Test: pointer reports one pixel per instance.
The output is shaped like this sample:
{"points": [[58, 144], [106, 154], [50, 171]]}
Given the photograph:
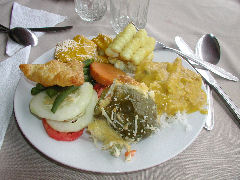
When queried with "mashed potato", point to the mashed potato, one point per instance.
{"points": [[176, 88]]}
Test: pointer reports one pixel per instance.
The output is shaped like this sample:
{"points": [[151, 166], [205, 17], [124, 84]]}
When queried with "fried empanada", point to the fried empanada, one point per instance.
{"points": [[55, 73]]}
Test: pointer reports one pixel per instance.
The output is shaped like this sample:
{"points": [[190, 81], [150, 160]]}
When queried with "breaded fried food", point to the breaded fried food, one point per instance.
{"points": [[80, 48], [55, 73]]}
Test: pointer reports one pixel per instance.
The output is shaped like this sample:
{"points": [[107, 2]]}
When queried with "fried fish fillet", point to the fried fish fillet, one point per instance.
{"points": [[55, 73]]}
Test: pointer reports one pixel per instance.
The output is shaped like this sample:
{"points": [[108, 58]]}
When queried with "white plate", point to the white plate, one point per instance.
{"points": [[83, 154]]}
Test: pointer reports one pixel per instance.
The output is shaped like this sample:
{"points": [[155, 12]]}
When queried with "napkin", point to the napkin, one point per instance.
{"points": [[9, 68], [23, 16], [11, 73]]}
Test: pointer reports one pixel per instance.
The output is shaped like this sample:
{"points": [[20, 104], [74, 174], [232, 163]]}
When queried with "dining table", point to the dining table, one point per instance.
{"points": [[213, 154]]}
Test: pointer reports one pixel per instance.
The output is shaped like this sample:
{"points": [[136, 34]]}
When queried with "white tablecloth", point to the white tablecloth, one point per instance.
{"points": [[213, 155]]}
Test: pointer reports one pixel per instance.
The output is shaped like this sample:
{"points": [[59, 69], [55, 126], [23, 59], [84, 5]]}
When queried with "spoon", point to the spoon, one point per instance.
{"points": [[25, 37], [21, 35], [208, 49]]}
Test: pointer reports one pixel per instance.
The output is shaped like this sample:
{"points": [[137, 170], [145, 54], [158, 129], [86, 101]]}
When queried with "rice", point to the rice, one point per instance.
{"points": [[181, 117]]}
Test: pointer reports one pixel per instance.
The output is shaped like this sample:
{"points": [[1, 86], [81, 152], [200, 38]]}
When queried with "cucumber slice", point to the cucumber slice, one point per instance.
{"points": [[71, 108], [80, 123]]}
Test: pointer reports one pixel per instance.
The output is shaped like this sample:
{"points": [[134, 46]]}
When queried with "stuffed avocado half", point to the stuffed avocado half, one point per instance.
{"points": [[129, 108]]}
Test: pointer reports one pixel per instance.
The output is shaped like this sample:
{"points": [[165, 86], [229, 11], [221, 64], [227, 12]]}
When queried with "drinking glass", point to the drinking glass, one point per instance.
{"points": [[90, 10], [125, 11]]}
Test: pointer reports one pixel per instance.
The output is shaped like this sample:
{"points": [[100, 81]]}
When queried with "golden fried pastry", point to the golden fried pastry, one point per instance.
{"points": [[80, 48], [55, 73]]}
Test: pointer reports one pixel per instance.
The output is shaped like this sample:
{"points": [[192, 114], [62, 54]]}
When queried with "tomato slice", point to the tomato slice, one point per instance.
{"points": [[99, 89], [61, 136]]}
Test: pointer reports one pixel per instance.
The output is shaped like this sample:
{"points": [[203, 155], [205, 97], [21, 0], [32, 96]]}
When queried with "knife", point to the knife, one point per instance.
{"points": [[209, 79], [48, 29], [44, 29]]}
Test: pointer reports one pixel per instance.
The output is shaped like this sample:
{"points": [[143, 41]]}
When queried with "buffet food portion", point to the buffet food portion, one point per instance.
{"points": [[112, 88]]}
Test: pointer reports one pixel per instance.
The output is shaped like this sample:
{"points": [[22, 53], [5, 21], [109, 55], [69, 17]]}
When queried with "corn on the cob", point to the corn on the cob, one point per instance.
{"points": [[120, 41], [137, 41], [144, 51]]}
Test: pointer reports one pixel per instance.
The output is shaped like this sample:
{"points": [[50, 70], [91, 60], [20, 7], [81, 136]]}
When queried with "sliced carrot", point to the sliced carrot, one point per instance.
{"points": [[104, 73]]}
